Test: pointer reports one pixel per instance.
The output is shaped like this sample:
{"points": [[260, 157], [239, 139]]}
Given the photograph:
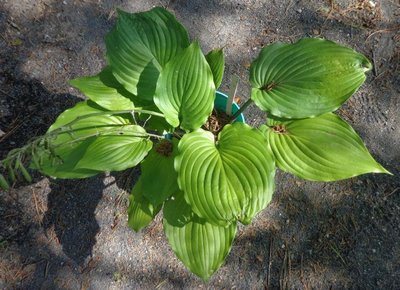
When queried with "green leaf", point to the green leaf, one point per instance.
{"points": [[215, 59], [185, 90], [226, 181], [324, 148], [11, 172], [80, 109], [19, 166], [116, 151], [159, 164], [87, 139], [307, 78], [3, 183], [106, 91], [140, 45], [62, 164], [140, 211], [200, 245]]}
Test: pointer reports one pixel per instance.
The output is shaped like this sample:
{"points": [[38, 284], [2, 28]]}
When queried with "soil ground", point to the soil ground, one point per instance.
{"points": [[73, 234]]}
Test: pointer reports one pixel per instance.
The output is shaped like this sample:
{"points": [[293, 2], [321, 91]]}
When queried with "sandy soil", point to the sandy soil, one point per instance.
{"points": [[57, 234]]}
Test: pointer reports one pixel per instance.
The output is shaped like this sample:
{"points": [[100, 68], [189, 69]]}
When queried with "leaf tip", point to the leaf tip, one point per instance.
{"points": [[381, 169], [365, 64]]}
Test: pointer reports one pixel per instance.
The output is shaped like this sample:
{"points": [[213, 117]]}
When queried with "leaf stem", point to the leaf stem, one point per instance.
{"points": [[242, 108], [108, 113], [66, 129], [178, 134], [109, 133]]}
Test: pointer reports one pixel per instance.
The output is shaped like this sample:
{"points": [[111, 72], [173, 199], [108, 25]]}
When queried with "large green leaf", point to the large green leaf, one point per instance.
{"points": [[140, 211], [228, 180], [215, 59], [80, 109], [307, 78], [159, 177], [61, 161], [106, 91], [140, 45], [116, 151], [87, 139], [200, 245], [324, 148], [185, 90]]}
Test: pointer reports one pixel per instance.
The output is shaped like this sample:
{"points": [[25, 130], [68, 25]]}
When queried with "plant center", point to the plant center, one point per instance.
{"points": [[216, 122], [280, 129], [165, 148], [268, 87]]}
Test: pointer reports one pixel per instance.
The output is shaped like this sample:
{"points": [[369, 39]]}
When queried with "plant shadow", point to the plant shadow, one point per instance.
{"points": [[305, 241], [71, 215]]}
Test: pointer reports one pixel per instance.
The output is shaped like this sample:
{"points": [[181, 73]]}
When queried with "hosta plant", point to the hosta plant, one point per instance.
{"points": [[152, 106]]}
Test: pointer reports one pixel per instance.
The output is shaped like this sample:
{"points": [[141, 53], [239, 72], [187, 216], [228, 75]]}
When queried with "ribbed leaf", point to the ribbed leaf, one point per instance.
{"points": [[324, 148], [94, 141], [140, 45], [159, 164], [215, 59], [106, 91], [80, 109], [226, 181], [116, 151], [185, 90], [307, 78], [140, 211], [201, 246]]}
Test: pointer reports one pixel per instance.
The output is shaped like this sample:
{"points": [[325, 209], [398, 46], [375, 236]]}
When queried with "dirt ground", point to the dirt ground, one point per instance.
{"points": [[70, 234]]}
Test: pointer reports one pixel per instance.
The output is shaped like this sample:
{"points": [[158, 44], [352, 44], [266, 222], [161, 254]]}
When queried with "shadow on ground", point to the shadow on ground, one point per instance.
{"points": [[309, 242], [70, 214], [63, 212]]}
